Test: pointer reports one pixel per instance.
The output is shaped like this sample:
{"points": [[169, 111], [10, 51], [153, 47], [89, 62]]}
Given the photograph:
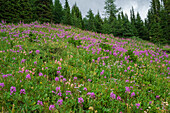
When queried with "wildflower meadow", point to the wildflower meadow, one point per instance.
{"points": [[62, 69]]}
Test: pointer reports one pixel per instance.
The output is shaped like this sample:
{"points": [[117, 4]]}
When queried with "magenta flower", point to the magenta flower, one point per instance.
{"points": [[60, 102], [80, 100], [59, 68], [125, 70], [92, 95], [60, 94], [127, 89], [157, 96], [85, 88], [150, 102], [118, 97], [51, 107], [40, 74], [35, 62], [137, 105], [89, 80], [132, 94], [102, 72], [22, 91], [28, 76], [2, 85], [12, 90], [112, 95], [39, 102], [61, 76], [68, 92], [4, 76], [58, 72], [75, 78], [37, 51], [56, 79], [64, 79], [23, 60]]}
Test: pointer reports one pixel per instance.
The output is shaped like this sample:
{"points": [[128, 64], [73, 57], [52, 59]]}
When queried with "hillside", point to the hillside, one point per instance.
{"points": [[58, 68]]}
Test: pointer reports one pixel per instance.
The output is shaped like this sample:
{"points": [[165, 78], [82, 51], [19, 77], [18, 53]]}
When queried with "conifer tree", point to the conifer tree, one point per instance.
{"points": [[91, 21], [67, 16], [76, 17], [57, 12], [44, 10], [98, 23]]}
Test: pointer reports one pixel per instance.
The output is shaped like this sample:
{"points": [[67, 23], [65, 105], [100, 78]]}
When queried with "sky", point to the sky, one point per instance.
{"points": [[140, 6]]}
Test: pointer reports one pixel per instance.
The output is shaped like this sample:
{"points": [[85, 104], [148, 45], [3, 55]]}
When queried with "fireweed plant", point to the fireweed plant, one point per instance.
{"points": [[56, 68]]}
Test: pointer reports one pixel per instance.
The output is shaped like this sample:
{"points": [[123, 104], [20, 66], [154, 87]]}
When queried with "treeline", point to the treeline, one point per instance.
{"points": [[154, 28]]}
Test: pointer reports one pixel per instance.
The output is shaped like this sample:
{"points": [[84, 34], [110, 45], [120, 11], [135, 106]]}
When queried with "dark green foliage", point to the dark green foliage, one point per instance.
{"points": [[44, 10], [98, 23], [57, 12], [75, 42], [67, 16], [132, 56], [76, 17], [91, 21], [105, 46]]}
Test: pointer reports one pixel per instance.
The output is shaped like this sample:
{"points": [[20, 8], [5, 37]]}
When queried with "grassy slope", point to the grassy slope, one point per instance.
{"points": [[144, 70]]}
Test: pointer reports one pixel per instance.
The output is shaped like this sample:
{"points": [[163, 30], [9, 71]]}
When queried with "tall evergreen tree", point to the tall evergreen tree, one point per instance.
{"points": [[44, 10], [91, 21], [67, 16], [132, 19], [98, 23], [25, 13], [110, 8], [76, 16], [141, 31], [57, 12]]}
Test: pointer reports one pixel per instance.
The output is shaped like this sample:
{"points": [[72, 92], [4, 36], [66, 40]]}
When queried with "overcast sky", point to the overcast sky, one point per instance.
{"points": [[141, 6]]}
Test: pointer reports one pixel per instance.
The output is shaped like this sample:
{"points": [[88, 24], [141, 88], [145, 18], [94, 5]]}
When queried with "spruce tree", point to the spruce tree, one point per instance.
{"points": [[98, 23], [44, 10], [76, 17], [91, 21], [57, 12], [25, 13], [67, 16]]}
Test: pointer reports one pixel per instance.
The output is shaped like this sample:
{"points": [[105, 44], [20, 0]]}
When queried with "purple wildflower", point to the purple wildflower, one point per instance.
{"points": [[75, 78], [37, 51], [157, 96], [64, 79], [89, 80], [51, 107], [22, 91], [39, 102], [67, 92], [60, 102], [137, 105], [112, 95], [4, 76], [59, 68], [23, 60], [132, 94], [118, 97], [56, 79], [150, 102], [58, 72], [127, 89], [28, 76], [12, 90], [60, 94], [92, 95], [80, 100], [85, 88], [2, 85], [102, 72], [40, 74]]}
